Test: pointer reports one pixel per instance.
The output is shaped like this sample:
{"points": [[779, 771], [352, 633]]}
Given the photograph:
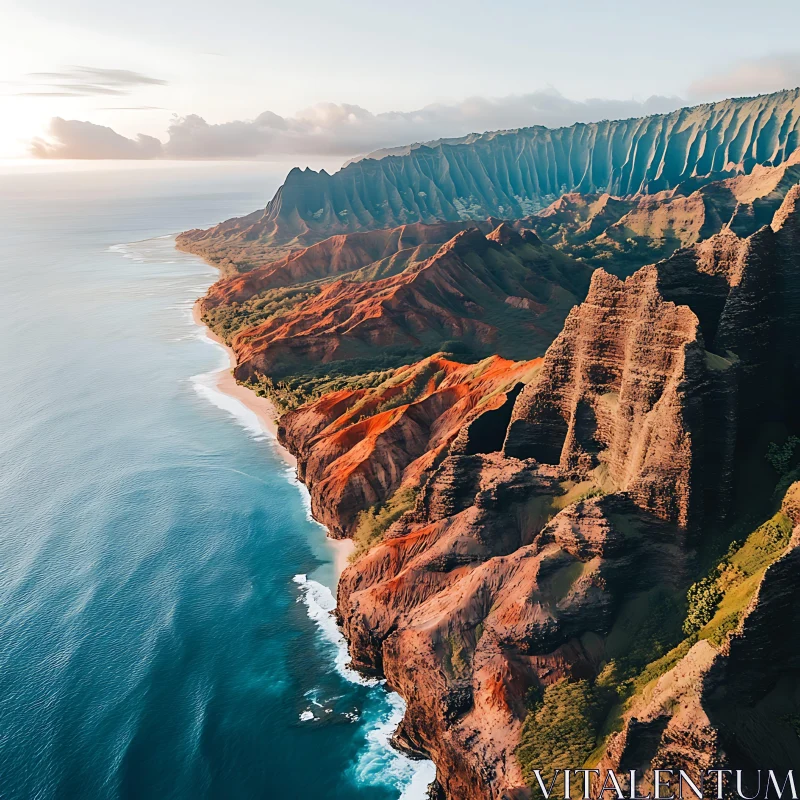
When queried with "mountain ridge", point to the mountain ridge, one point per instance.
{"points": [[514, 174]]}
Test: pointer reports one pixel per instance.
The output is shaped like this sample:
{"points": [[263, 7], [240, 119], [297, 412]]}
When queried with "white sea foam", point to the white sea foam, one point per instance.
{"points": [[205, 386], [379, 763]]}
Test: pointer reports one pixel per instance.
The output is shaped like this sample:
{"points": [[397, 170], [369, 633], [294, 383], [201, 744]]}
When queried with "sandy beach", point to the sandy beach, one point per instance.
{"points": [[267, 416]]}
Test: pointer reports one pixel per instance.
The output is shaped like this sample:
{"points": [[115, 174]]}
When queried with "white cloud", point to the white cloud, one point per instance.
{"points": [[71, 138], [750, 76], [341, 129], [86, 81]]}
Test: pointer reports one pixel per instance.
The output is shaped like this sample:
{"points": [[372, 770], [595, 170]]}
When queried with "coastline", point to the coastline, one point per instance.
{"points": [[262, 407], [267, 416]]}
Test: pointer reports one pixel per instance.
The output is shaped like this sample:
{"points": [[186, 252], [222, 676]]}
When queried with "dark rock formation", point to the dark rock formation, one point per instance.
{"points": [[627, 392]]}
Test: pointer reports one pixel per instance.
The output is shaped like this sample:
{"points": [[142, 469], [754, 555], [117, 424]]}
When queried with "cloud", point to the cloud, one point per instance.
{"points": [[86, 81], [750, 76], [347, 130], [75, 139]]}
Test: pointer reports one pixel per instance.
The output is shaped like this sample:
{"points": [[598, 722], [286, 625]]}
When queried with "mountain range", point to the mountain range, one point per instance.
{"points": [[547, 380], [511, 174]]}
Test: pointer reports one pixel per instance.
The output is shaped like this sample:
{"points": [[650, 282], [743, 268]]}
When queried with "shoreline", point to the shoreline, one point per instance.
{"points": [[267, 416], [262, 407]]}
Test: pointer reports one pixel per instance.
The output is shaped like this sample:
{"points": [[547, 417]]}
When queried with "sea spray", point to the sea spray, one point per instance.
{"points": [[379, 763]]}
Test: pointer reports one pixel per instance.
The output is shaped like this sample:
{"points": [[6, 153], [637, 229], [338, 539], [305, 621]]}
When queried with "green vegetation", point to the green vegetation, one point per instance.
{"points": [[589, 494], [561, 728], [715, 604], [793, 721], [716, 601], [456, 657], [373, 523], [415, 388], [738, 574], [294, 392], [703, 598], [227, 320], [568, 723], [647, 627], [294, 383], [661, 666]]}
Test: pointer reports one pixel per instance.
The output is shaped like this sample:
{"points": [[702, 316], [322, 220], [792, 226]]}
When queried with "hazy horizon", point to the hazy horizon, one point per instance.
{"points": [[84, 79]]}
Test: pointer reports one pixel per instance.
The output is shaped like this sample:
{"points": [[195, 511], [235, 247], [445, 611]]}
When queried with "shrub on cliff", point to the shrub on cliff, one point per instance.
{"points": [[782, 456], [703, 598], [561, 731], [373, 523]]}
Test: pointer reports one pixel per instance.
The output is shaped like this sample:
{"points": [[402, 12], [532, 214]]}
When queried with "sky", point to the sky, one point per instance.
{"points": [[258, 79]]}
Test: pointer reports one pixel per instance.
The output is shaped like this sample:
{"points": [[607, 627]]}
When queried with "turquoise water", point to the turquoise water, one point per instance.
{"points": [[163, 631]]}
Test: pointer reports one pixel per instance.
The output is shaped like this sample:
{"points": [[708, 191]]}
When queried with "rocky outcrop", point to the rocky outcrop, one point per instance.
{"points": [[558, 500], [506, 576], [389, 250], [735, 706], [627, 393], [474, 596], [464, 613], [510, 174], [623, 234], [356, 448], [746, 294]]}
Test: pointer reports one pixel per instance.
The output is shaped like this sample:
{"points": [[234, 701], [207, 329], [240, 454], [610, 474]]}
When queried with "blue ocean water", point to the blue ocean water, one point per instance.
{"points": [[164, 595]]}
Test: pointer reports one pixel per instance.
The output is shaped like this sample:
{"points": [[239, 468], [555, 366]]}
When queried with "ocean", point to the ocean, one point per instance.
{"points": [[165, 628]]}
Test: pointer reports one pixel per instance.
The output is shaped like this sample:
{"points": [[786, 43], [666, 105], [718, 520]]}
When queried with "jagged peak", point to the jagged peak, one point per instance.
{"points": [[530, 237], [504, 235], [470, 239], [789, 209]]}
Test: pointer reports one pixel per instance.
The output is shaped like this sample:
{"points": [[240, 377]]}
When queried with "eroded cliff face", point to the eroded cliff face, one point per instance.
{"points": [[355, 449], [629, 397], [507, 575], [560, 502], [503, 293], [623, 234], [510, 174], [475, 597], [386, 249], [731, 706]]}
